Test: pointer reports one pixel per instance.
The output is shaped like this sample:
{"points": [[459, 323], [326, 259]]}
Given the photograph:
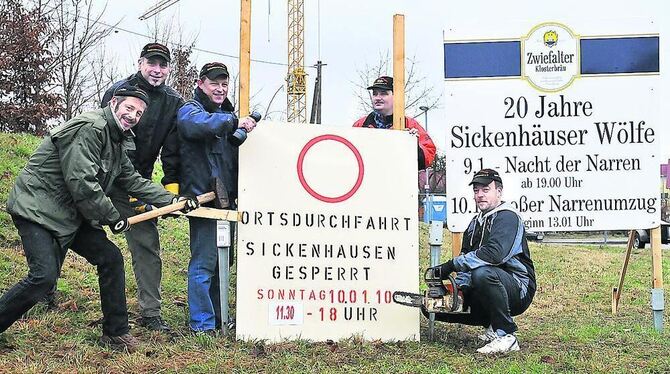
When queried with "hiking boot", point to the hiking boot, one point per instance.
{"points": [[501, 345], [154, 324], [125, 342], [488, 336]]}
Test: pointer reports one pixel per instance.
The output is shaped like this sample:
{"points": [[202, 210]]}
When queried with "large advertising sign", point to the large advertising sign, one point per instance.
{"points": [[329, 230], [566, 112]]}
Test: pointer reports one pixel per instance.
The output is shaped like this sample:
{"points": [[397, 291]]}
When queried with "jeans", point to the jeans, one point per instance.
{"points": [[45, 258], [144, 246], [204, 300], [494, 297]]}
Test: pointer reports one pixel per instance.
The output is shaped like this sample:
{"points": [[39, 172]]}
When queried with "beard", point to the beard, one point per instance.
{"points": [[130, 122]]}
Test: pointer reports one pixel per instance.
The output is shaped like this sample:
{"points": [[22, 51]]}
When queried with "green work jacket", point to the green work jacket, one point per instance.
{"points": [[68, 177]]}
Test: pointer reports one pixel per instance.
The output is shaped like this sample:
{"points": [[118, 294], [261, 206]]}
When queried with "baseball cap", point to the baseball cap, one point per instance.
{"points": [[132, 91], [156, 49], [486, 176], [213, 70], [382, 83]]}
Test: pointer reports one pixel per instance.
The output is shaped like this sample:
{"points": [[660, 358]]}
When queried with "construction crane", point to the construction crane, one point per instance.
{"points": [[296, 79]]}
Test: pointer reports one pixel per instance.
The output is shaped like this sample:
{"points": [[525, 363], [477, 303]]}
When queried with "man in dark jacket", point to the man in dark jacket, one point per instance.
{"points": [[494, 271], [382, 118], [206, 125], [59, 201], [156, 133]]}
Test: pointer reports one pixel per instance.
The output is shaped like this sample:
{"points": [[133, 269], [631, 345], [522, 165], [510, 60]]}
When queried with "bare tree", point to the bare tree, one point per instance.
{"points": [[418, 92], [269, 114], [77, 38], [104, 78], [184, 72]]}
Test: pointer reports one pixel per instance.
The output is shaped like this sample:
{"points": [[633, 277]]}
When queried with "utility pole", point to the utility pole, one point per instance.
{"points": [[315, 117]]}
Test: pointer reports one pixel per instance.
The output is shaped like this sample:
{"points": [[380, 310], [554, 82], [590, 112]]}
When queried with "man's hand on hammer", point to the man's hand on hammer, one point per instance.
{"points": [[191, 203]]}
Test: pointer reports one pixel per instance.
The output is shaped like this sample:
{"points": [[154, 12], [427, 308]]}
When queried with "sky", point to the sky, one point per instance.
{"points": [[346, 35]]}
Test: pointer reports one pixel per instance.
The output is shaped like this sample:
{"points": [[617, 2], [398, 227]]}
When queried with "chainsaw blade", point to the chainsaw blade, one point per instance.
{"points": [[408, 299]]}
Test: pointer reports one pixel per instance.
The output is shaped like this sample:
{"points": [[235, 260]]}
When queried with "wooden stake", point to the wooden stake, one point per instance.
{"points": [[245, 55], [456, 239], [616, 291], [398, 72]]}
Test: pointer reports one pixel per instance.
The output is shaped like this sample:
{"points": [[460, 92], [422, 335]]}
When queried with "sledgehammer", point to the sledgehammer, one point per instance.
{"points": [[219, 196]]}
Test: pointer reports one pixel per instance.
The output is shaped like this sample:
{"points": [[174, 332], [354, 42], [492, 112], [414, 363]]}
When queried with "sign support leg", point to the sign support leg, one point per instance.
{"points": [[616, 291], [223, 248], [435, 241], [657, 299]]}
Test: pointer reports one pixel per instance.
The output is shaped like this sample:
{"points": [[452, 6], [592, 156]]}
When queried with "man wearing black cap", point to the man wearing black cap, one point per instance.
{"points": [[156, 134], [494, 271], [60, 200], [382, 118], [208, 150]]}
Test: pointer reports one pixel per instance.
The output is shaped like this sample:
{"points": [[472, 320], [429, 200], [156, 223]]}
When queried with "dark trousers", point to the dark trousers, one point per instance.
{"points": [[45, 258], [494, 298]]}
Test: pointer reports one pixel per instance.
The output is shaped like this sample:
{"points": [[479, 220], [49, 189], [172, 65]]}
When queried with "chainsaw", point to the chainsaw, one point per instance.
{"points": [[438, 298]]}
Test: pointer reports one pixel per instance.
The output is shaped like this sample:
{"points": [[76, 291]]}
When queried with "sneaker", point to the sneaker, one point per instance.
{"points": [[501, 344], [125, 342], [154, 324], [488, 336]]}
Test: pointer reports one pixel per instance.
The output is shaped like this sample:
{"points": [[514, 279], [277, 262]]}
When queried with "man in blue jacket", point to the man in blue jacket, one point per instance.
{"points": [[494, 271], [206, 125]]}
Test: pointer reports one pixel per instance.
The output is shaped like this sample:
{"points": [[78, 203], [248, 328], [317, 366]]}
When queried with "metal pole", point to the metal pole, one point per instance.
{"points": [[657, 299], [223, 247], [435, 240], [435, 234]]}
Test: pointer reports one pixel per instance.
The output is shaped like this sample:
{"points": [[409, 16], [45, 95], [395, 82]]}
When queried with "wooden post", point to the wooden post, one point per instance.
{"points": [[456, 239], [656, 258], [616, 291], [398, 72], [245, 55], [657, 302]]}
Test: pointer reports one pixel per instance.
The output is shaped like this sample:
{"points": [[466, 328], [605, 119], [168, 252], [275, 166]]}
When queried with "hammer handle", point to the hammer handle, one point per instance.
{"points": [[204, 198]]}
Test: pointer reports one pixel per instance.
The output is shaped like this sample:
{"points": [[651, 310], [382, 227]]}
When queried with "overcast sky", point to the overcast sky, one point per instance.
{"points": [[353, 34], [345, 34]]}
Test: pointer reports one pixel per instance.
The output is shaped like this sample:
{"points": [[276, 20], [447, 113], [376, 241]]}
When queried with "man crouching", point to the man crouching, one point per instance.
{"points": [[494, 271]]}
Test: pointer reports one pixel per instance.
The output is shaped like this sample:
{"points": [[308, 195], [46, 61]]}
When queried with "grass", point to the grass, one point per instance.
{"points": [[569, 327]]}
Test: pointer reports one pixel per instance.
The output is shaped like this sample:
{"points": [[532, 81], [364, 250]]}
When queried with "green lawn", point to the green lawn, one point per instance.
{"points": [[569, 327]]}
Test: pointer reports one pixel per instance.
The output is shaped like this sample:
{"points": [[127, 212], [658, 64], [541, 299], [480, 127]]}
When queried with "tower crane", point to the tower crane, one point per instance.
{"points": [[296, 79]]}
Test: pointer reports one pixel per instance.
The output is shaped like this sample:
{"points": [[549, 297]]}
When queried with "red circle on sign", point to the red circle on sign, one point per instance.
{"points": [[310, 190]]}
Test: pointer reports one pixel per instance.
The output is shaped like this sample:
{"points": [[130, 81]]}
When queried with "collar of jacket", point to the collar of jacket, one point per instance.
{"points": [[139, 80], [370, 120], [114, 130], [201, 97]]}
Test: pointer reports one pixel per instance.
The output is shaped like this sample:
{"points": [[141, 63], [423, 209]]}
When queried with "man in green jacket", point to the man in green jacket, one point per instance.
{"points": [[59, 202]]}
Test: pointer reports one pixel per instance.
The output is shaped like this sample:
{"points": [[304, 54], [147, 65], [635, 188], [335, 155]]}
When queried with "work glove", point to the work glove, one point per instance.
{"points": [[447, 268], [440, 272], [139, 206], [172, 187], [120, 226], [191, 203]]}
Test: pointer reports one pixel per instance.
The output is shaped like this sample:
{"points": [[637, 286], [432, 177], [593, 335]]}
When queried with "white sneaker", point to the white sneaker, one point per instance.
{"points": [[501, 344], [488, 336]]}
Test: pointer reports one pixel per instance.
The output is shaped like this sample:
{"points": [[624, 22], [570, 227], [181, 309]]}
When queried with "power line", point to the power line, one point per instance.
{"points": [[194, 48]]}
